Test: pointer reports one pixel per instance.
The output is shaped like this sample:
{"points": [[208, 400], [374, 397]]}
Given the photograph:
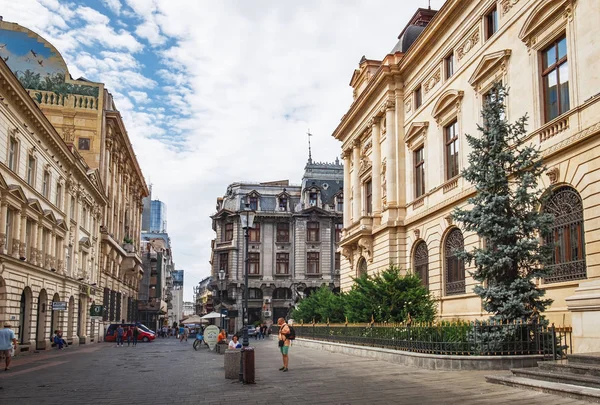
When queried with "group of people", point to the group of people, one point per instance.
{"points": [[262, 331], [58, 340], [130, 333]]}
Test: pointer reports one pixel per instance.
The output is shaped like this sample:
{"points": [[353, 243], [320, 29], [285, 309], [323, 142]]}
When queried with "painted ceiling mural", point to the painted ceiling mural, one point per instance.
{"points": [[37, 65]]}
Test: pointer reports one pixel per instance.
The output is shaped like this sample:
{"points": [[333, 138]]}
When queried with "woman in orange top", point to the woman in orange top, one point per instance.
{"points": [[222, 336]]}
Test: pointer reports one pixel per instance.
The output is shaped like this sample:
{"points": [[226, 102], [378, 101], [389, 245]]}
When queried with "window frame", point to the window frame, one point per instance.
{"points": [[449, 66], [254, 233], [418, 96], [313, 262], [419, 171], [31, 170], [313, 234], [58, 199], [421, 262], [310, 198], [253, 202], [224, 262], [368, 185], [491, 16], [555, 67], [254, 263], [282, 235], [453, 266], [338, 227], [46, 182], [227, 232], [337, 261], [447, 144], [282, 259], [13, 155]]}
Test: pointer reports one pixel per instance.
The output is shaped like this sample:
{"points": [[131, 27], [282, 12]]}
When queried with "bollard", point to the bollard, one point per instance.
{"points": [[232, 363], [248, 361]]}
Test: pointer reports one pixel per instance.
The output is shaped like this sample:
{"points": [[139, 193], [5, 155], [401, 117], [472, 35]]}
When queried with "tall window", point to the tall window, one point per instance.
{"points": [[59, 195], [566, 236], [369, 197], [340, 203], [418, 97], [13, 149], [254, 232], [449, 65], [283, 232], [421, 262], [452, 148], [283, 263], [31, 171], [555, 75], [253, 201], [455, 267], [228, 234], [312, 263], [313, 198], [361, 267], [224, 262], [46, 185], [419, 157], [72, 207], [312, 232], [338, 261], [338, 231], [491, 23], [253, 263], [283, 203]]}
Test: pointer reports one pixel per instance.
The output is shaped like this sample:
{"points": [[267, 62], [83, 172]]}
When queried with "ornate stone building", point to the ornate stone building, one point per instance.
{"points": [[88, 122], [51, 203], [404, 145], [292, 247]]}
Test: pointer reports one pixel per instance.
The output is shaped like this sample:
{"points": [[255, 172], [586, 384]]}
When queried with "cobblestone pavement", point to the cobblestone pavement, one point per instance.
{"points": [[167, 371]]}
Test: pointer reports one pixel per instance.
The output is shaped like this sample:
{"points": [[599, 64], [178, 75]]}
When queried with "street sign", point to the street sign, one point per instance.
{"points": [[224, 311], [59, 305], [96, 310]]}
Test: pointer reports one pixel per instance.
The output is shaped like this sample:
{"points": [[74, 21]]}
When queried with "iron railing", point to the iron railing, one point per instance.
{"points": [[449, 338]]}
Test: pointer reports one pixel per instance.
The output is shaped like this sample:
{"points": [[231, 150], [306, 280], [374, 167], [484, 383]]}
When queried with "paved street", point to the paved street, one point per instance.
{"points": [[166, 371]]}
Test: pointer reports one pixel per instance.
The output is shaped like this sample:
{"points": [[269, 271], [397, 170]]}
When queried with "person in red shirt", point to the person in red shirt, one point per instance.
{"points": [[129, 335]]}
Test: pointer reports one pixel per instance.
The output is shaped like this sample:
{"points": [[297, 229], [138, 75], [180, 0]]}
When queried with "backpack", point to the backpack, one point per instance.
{"points": [[292, 334]]}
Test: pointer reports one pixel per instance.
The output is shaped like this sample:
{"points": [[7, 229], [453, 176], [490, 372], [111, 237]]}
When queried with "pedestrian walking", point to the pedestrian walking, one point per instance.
{"points": [[135, 334], [186, 332], [264, 330], [129, 335], [284, 342], [8, 344], [181, 332], [120, 333]]}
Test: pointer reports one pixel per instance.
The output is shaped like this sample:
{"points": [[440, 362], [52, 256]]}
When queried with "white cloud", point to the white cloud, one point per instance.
{"points": [[232, 96], [92, 16], [113, 5]]}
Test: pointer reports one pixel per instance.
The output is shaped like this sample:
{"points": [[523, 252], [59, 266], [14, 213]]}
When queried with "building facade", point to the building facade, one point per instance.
{"points": [[88, 122], [175, 304], [158, 216], [404, 146], [50, 206], [203, 297], [292, 246]]}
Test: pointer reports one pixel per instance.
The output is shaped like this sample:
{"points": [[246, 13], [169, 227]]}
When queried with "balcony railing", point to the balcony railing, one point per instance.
{"points": [[49, 98]]}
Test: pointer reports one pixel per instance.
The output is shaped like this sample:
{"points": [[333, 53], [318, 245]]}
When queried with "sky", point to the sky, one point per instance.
{"points": [[214, 92]]}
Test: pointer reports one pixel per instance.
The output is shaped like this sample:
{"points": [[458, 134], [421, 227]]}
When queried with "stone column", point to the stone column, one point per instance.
{"points": [[356, 195], [34, 243], [16, 242], [41, 245], [347, 188], [53, 257], [3, 235], [23, 235], [376, 170], [390, 154]]}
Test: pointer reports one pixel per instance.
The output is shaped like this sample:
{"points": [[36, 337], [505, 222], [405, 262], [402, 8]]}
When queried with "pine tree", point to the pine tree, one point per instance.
{"points": [[506, 215]]}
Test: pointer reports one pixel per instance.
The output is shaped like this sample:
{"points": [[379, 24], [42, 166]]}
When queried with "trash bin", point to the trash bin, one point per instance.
{"points": [[232, 363], [248, 364]]}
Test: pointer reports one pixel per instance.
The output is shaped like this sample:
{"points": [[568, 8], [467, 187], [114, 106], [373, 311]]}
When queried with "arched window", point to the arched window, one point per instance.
{"points": [[361, 267], [421, 262], [455, 267], [566, 236]]}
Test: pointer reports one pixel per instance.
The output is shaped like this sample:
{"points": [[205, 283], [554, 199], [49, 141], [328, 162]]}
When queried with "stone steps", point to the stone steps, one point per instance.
{"points": [[578, 377]]}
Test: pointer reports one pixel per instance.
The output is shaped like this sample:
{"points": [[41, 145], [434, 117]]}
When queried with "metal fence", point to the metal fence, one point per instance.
{"points": [[449, 338]]}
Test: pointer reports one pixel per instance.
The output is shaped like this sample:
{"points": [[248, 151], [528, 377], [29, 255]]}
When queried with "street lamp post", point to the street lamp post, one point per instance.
{"points": [[221, 279], [247, 219]]}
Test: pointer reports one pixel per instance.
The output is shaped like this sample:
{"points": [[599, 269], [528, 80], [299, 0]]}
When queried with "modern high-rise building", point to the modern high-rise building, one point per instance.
{"points": [[158, 216]]}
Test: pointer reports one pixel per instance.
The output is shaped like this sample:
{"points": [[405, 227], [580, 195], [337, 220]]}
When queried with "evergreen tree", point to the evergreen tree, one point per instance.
{"points": [[506, 215]]}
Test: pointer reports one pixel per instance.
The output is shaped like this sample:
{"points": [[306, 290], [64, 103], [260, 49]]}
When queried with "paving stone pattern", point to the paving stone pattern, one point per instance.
{"points": [[167, 371]]}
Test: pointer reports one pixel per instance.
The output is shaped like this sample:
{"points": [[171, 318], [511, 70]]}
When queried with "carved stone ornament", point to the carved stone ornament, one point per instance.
{"points": [[365, 164], [408, 106], [69, 133], [417, 233], [507, 5], [383, 182], [366, 248], [2, 241], [367, 146], [467, 45], [448, 219], [432, 81], [348, 254], [553, 174]]}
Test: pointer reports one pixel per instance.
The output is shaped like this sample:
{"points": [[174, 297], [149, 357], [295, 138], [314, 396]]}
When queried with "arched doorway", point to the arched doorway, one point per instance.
{"points": [[40, 328], [70, 316], [54, 321], [25, 316]]}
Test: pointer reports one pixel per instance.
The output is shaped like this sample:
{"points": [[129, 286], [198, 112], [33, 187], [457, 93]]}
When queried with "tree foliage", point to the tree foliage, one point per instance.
{"points": [[384, 297], [505, 169]]}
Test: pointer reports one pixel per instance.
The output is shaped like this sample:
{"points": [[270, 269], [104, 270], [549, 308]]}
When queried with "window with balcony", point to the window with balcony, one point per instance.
{"points": [[369, 197], [419, 162], [555, 77], [455, 267], [283, 232], [312, 232], [338, 232], [254, 263], [491, 22], [228, 234], [312, 263], [13, 154], [31, 171], [452, 149], [46, 185], [566, 236], [283, 264], [224, 262], [449, 65], [254, 233]]}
